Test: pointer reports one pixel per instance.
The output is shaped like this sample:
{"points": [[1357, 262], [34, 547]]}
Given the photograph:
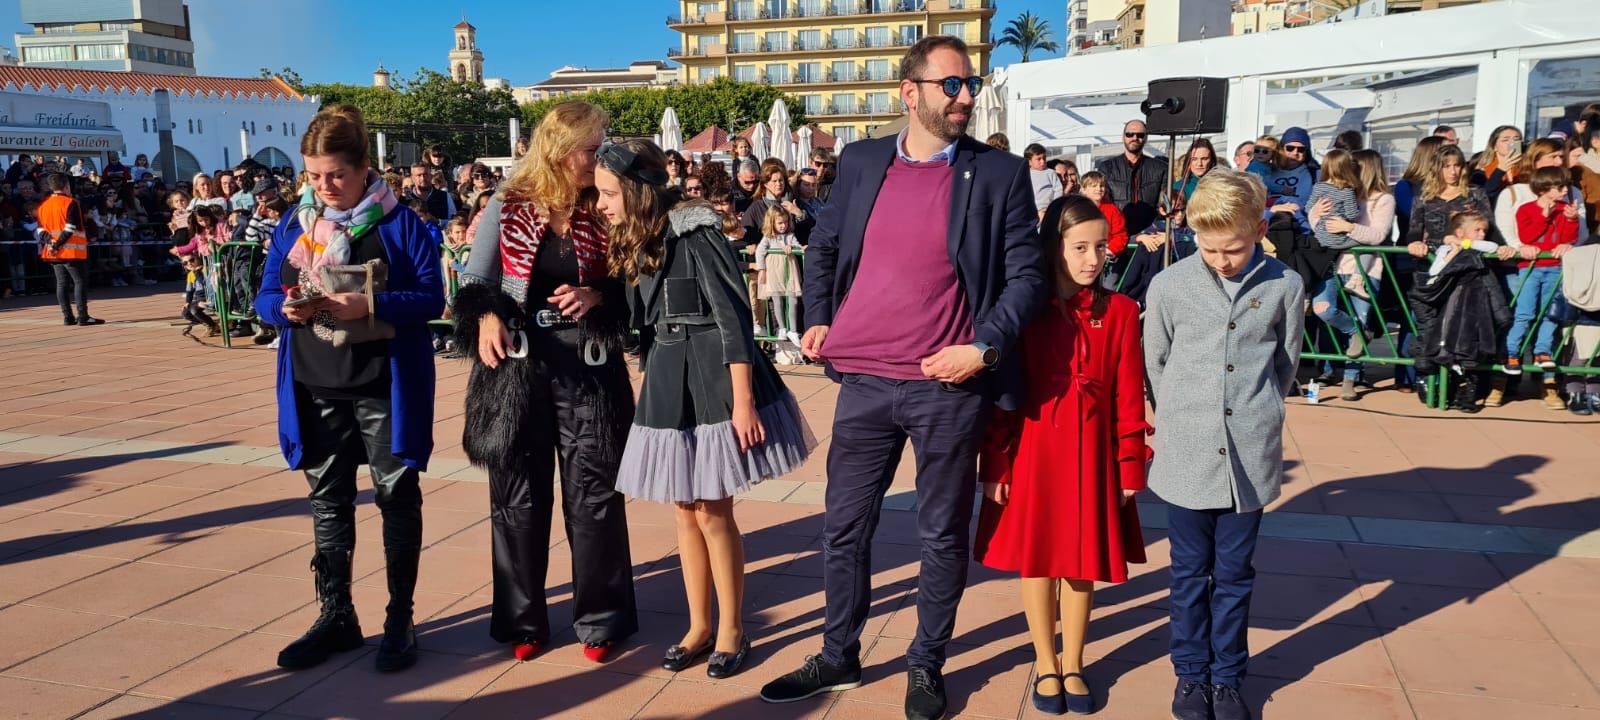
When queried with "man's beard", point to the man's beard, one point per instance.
{"points": [[1133, 148], [938, 122]]}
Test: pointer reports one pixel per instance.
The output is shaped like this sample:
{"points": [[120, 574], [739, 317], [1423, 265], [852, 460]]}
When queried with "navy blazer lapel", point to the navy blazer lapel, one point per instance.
{"points": [[863, 197], [961, 181]]}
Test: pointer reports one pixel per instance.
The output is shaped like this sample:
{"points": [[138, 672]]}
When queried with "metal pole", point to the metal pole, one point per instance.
{"points": [[244, 143], [383, 148], [165, 158], [516, 134], [1166, 191]]}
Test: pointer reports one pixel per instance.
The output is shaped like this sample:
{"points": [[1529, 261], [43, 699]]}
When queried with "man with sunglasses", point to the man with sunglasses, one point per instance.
{"points": [[933, 235], [1290, 175], [823, 163], [1134, 178]]}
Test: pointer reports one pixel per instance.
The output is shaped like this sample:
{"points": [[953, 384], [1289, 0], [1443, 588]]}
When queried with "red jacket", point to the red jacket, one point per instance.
{"points": [[1545, 232], [1117, 228]]}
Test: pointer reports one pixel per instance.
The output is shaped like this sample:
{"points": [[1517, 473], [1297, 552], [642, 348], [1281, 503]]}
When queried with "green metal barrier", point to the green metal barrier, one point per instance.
{"points": [[452, 282], [1436, 386], [223, 286]]}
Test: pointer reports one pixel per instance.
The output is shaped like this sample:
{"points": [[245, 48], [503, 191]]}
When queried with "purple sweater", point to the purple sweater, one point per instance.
{"points": [[905, 303]]}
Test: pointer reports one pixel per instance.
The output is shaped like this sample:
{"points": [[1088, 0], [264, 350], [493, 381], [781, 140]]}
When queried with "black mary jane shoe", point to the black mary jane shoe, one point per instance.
{"points": [[725, 665], [1050, 704], [679, 657], [1077, 704]]}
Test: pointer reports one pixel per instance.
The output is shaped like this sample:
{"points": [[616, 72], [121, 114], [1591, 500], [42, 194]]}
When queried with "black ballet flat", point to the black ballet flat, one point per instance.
{"points": [[1049, 704], [1077, 704], [725, 665], [679, 657]]}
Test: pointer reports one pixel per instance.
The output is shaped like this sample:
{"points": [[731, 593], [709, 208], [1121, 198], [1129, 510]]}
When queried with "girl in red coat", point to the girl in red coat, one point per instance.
{"points": [[1059, 474]]}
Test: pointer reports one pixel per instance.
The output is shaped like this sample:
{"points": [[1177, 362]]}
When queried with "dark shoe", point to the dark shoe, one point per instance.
{"points": [[1049, 704], [336, 628], [726, 665], [679, 657], [1512, 366], [1579, 404], [1593, 399], [1191, 701], [1227, 705], [815, 677], [86, 321], [398, 648], [69, 320], [1544, 361], [924, 694], [1077, 704]]}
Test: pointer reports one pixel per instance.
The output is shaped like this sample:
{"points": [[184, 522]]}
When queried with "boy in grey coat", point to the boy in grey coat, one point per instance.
{"points": [[1222, 336]]}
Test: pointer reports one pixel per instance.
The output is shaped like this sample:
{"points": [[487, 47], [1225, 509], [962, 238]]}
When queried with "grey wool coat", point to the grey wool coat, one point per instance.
{"points": [[1219, 369]]}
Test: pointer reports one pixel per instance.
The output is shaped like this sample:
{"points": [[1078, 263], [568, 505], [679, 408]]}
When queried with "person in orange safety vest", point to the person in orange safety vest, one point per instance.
{"points": [[63, 244]]}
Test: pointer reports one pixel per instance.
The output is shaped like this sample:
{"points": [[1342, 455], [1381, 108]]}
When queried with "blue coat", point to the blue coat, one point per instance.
{"points": [[992, 237], [415, 296]]}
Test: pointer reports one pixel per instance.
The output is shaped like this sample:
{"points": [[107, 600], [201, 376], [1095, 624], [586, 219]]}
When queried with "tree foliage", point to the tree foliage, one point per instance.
{"points": [[726, 103], [1027, 33], [427, 97]]}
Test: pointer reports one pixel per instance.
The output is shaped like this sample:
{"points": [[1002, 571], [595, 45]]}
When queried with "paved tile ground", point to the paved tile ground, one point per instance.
{"points": [[153, 560]]}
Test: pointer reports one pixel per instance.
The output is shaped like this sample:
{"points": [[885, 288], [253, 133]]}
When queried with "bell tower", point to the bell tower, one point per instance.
{"points": [[466, 60]]}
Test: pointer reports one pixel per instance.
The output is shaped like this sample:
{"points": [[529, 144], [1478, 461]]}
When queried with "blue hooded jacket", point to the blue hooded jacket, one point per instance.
{"points": [[414, 296]]}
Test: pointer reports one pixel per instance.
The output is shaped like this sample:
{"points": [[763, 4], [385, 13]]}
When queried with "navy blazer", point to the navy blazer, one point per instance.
{"points": [[993, 240]]}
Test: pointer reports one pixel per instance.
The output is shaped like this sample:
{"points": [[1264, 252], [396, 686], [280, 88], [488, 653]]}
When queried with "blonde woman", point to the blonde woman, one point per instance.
{"points": [[544, 322], [205, 193]]}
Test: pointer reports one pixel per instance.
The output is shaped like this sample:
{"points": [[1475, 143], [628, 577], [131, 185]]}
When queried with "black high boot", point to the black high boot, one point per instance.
{"points": [[1465, 398], [336, 629], [398, 649]]}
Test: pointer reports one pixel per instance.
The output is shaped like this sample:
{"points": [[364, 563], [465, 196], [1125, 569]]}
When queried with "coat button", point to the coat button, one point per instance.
{"points": [[1228, 412], [1222, 451], [1233, 326], [1230, 368]]}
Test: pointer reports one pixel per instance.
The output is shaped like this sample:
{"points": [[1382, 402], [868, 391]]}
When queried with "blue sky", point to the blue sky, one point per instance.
{"points": [[343, 40]]}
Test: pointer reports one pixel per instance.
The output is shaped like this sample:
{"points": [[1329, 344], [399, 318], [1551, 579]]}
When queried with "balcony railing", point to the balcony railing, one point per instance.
{"points": [[829, 8], [891, 107]]}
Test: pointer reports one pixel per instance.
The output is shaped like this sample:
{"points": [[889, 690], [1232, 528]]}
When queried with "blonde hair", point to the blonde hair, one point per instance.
{"points": [[539, 177], [769, 222], [206, 180], [1227, 201], [1339, 170]]}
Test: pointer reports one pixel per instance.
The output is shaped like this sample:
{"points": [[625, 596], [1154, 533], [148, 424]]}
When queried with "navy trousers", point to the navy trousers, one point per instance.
{"points": [[1212, 578], [874, 419]]}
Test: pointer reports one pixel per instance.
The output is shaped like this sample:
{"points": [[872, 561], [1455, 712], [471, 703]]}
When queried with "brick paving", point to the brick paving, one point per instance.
{"points": [[153, 557]]}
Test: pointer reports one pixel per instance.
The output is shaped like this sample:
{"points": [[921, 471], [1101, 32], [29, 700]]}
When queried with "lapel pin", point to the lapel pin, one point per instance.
{"points": [[1255, 304], [967, 175]]}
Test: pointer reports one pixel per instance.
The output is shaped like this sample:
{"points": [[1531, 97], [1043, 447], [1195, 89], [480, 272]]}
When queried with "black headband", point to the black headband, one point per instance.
{"points": [[626, 163]]}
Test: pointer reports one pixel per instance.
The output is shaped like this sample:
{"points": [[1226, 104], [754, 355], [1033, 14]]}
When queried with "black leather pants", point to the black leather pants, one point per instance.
{"points": [[340, 435], [564, 426]]}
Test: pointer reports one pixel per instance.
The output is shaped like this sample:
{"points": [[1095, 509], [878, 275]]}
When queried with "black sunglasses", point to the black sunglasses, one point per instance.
{"points": [[1297, 149], [483, 175], [1130, 135], [694, 189], [952, 85]]}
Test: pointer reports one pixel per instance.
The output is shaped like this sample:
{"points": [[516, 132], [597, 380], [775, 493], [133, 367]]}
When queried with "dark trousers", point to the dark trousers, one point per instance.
{"points": [[340, 434], [1212, 578], [74, 272], [873, 420], [563, 425]]}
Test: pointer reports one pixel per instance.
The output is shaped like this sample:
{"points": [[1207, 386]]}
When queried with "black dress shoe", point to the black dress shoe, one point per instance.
{"points": [[924, 693], [1049, 704], [815, 677], [1191, 701], [724, 665], [69, 320], [679, 657], [86, 320], [1227, 705], [1077, 704]]}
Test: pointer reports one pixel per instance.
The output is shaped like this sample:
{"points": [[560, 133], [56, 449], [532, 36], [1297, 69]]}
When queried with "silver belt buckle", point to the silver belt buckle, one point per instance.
{"points": [[546, 318]]}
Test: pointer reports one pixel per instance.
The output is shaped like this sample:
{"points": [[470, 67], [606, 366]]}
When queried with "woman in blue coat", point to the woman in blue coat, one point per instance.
{"points": [[362, 402]]}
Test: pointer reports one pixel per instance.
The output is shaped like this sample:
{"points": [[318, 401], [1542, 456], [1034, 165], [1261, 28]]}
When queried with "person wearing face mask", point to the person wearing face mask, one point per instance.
{"points": [[545, 323], [935, 235], [342, 405]]}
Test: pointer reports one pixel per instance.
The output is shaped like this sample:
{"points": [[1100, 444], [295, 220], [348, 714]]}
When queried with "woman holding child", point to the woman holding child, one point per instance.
{"points": [[545, 324]]}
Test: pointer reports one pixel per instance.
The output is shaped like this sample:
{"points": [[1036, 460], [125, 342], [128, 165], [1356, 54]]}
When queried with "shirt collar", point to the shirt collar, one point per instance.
{"points": [[946, 156]]}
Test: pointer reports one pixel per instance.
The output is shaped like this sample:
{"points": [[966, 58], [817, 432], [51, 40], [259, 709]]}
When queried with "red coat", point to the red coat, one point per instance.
{"points": [[1076, 442]]}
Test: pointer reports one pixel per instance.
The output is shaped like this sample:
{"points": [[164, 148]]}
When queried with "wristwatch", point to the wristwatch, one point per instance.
{"points": [[991, 354]]}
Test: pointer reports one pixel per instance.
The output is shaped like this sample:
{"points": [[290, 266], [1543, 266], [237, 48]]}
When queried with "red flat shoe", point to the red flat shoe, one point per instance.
{"points": [[525, 650], [597, 652]]}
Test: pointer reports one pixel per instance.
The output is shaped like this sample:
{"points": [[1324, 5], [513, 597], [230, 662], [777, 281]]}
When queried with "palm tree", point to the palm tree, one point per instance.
{"points": [[1028, 33]]}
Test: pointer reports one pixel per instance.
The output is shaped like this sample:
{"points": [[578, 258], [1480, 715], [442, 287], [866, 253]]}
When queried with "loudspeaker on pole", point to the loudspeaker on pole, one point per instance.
{"points": [[1186, 106]]}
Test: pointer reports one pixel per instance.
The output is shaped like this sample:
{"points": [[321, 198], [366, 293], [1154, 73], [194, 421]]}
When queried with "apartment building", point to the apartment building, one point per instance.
{"points": [[838, 58], [150, 36]]}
